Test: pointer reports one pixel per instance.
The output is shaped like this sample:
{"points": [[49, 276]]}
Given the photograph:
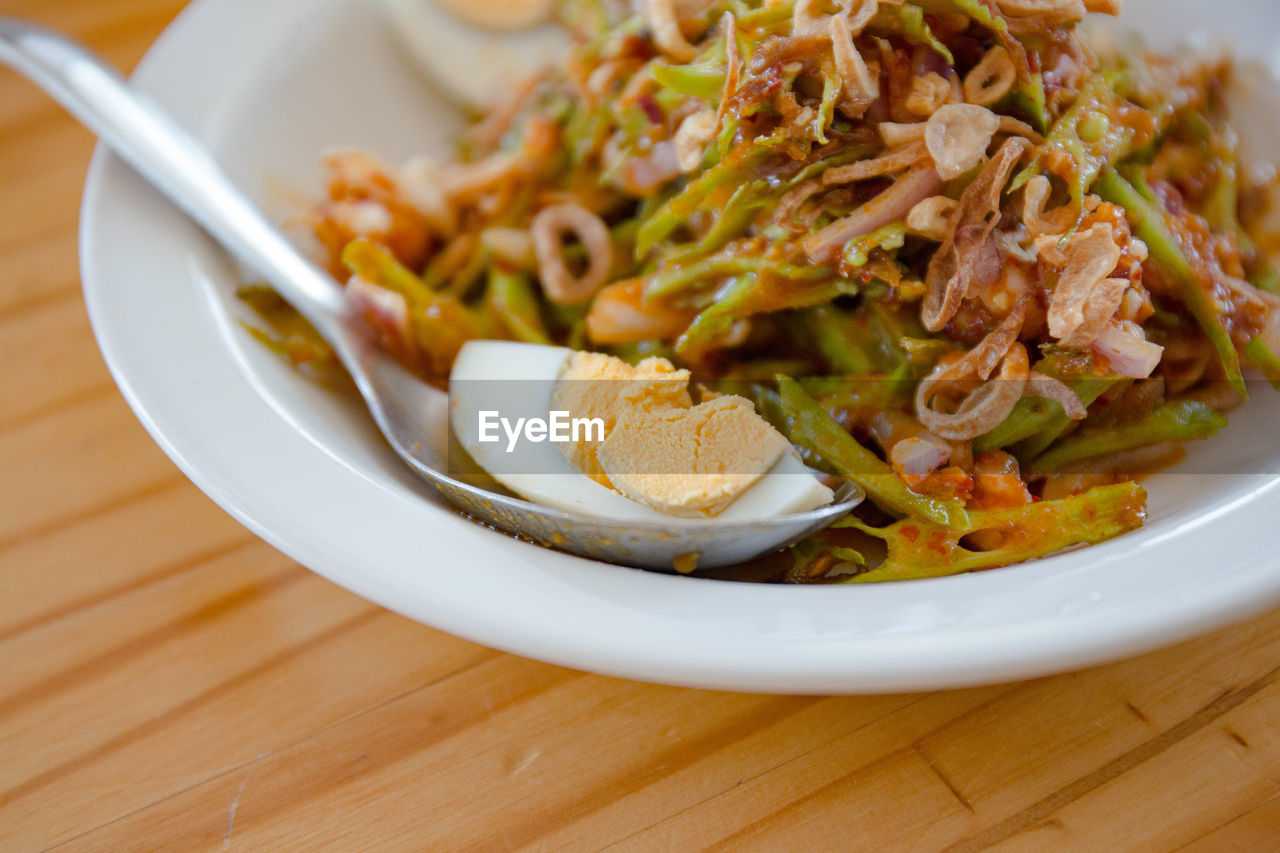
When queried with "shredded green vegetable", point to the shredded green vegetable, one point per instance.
{"points": [[919, 550]]}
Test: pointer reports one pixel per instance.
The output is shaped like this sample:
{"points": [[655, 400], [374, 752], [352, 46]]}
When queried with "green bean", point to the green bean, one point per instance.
{"points": [[716, 267], [831, 332], [1091, 134], [1263, 358], [731, 171], [858, 250], [1031, 100], [513, 299], [919, 550], [812, 428], [294, 337], [1035, 422], [1181, 421], [1029, 416], [697, 81], [915, 28], [375, 264], [749, 294]]}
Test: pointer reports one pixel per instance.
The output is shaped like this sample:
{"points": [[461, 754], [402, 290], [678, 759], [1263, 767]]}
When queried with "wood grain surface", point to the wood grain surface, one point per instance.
{"points": [[167, 681]]}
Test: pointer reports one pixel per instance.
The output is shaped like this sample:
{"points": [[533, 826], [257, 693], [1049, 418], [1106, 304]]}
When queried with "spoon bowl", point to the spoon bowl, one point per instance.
{"points": [[411, 415]]}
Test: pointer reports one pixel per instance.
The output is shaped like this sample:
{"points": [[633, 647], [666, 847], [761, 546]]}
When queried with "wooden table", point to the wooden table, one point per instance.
{"points": [[168, 681]]}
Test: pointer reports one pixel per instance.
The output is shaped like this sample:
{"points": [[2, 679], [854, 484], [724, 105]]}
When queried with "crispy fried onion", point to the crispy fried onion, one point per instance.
{"points": [[488, 132], [602, 79], [1040, 385], [549, 225], [807, 18], [692, 138], [1014, 127], [890, 206], [984, 358], [1053, 12], [1091, 257], [470, 179], [859, 84], [1013, 243], [958, 136], [931, 217], [422, 185], [860, 13], [664, 21], [991, 79], [981, 409], [467, 181], [1127, 349], [1034, 197], [512, 246], [928, 94], [1048, 229], [954, 264], [897, 135], [1103, 303], [885, 164]]}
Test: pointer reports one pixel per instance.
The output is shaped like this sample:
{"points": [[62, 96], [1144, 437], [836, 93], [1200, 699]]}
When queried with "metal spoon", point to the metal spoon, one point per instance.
{"points": [[412, 415]]}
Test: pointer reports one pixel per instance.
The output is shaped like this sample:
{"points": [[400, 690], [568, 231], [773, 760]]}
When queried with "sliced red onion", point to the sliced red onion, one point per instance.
{"points": [[916, 458], [890, 206], [643, 175], [1129, 352], [384, 309]]}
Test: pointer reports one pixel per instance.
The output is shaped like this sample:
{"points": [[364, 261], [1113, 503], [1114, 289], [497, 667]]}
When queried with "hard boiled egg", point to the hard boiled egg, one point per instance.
{"points": [[717, 459], [476, 51]]}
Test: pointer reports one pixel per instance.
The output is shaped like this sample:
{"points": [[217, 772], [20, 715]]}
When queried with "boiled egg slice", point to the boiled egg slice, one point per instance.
{"points": [[498, 388], [476, 51]]}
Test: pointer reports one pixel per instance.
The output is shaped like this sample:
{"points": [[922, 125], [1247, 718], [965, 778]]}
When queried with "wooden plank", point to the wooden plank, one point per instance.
{"points": [[372, 763], [44, 267], [51, 576], [53, 359], [1254, 830], [327, 665], [75, 462], [1216, 765], [35, 181], [1061, 746]]}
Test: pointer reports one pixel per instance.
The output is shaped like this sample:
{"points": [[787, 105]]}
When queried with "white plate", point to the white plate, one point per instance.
{"points": [[267, 85]]}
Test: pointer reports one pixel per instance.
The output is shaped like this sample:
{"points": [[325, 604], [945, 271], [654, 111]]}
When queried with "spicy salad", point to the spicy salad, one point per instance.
{"points": [[989, 270]]}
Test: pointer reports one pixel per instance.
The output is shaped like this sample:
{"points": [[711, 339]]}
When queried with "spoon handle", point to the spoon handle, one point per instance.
{"points": [[153, 144]]}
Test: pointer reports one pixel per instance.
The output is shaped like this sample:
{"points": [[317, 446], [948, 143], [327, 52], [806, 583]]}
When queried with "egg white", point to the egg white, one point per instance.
{"points": [[516, 380], [472, 65]]}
